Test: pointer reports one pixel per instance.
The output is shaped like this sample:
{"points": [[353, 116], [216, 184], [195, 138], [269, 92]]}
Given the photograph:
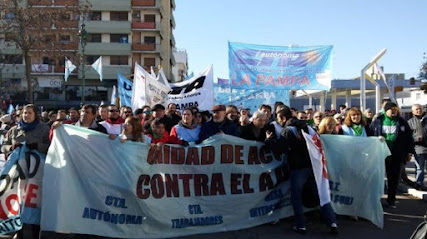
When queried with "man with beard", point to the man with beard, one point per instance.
{"points": [[171, 114], [74, 116], [232, 113], [218, 124], [114, 124], [398, 136], [159, 113]]}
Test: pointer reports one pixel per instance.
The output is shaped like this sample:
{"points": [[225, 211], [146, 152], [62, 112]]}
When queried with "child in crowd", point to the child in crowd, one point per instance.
{"points": [[159, 136]]}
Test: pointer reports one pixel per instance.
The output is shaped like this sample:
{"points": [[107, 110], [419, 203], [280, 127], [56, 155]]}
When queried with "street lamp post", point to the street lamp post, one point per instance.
{"points": [[83, 40]]}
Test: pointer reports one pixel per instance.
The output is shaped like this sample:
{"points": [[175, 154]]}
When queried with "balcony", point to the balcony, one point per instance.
{"points": [[109, 5], [67, 24], [173, 5], [59, 69], [113, 27], [173, 42], [144, 47], [138, 25], [13, 71], [107, 48], [69, 46], [108, 72], [66, 2], [143, 3], [40, 2]]}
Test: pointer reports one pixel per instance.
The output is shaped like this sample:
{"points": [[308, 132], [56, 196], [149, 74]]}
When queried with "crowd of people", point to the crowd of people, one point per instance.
{"points": [[279, 127]]}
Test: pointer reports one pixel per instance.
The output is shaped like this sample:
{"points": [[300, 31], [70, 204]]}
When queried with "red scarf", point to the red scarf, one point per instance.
{"points": [[117, 121]]}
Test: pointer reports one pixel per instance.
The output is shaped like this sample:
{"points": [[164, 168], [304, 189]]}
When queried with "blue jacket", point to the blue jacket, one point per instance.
{"points": [[404, 142], [211, 128]]}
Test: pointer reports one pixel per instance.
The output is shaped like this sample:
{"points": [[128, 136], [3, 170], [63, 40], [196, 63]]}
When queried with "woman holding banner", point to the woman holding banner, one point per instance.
{"points": [[187, 130], [28, 130], [35, 135], [355, 125]]}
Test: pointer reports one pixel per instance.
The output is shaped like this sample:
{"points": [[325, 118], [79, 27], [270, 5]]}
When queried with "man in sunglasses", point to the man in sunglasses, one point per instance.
{"points": [[114, 123]]}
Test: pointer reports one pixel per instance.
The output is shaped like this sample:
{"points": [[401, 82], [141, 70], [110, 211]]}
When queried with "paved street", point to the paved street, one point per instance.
{"points": [[399, 223]]}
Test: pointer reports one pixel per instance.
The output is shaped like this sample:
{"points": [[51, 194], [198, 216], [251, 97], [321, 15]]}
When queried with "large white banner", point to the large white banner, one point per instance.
{"points": [[138, 87], [129, 190], [196, 91]]}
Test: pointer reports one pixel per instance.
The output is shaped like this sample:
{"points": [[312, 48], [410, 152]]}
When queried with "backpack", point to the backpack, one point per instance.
{"points": [[421, 231]]}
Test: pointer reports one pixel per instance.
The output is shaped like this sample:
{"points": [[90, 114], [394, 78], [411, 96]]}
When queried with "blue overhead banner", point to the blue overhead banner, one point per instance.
{"points": [[247, 98], [280, 67]]}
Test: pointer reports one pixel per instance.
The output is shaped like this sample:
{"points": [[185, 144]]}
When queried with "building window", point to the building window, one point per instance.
{"points": [[95, 16], [94, 38], [149, 18], [119, 16], [48, 61], [65, 16], [91, 59], [121, 38], [149, 61], [65, 38], [119, 60], [150, 40]]}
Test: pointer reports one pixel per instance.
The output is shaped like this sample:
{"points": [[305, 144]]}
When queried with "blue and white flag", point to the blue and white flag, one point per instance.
{"points": [[279, 67], [97, 65], [125, 90], [69, 67]]}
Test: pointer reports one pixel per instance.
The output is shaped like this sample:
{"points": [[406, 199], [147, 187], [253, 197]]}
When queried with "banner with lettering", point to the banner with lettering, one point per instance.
{"points": [[356, 175], [246, 98], [280, 67], [129, 190], [156, 92], [196, 91], [21, 189]]}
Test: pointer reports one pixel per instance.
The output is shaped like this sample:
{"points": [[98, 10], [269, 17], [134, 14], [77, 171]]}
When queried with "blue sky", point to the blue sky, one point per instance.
{"points": [[358, 30]]}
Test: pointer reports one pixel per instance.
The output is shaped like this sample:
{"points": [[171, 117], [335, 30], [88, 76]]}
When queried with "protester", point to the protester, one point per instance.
{"points": [[327, 126], [232, 113], [292, 143], [159, 135], [114, 123], [61, 115], [420, 144], [172, 114], [338, 120], [355, 125], [133, 131], [88, 119], [52, 118], [44, 117], [36, 136], [159, 113], [186, 131], [398, 136], [318, 116], [139, 114], [267, 110], [74, 116], [244, 120], [256, 129], [102, 113], [368, 114], [199, 118], [125, 111], [218, 124], [301, 115]]}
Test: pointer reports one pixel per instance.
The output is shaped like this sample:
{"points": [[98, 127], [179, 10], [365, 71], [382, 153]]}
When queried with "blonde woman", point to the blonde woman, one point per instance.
{"points": [[327, 126]]}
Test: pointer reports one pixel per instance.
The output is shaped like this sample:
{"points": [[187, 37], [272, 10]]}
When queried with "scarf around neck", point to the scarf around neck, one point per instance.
{"points": [[358, 129], [28, 126]]}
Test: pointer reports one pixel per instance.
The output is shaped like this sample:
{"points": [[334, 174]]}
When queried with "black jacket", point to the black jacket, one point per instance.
{"points": [[404, 142], [292, 145], [247, 132]]}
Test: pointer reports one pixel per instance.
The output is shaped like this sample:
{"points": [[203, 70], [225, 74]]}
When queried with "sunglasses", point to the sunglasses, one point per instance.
{"points": [[147, 112], [113, 110]]}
